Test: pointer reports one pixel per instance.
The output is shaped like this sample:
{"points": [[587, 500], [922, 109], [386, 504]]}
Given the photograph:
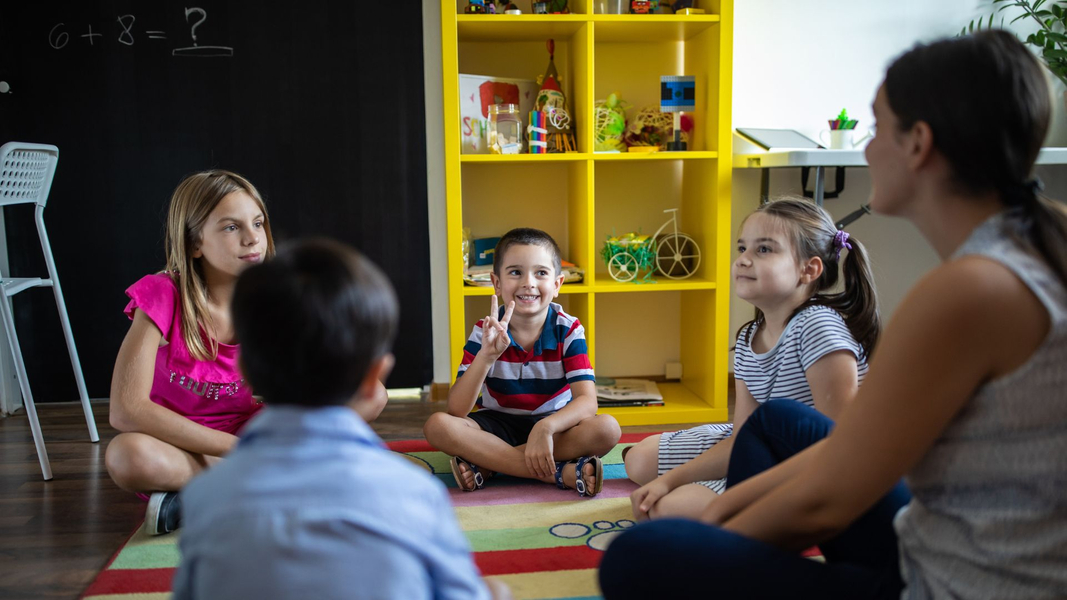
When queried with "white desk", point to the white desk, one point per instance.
{"points": [[820, 159]]}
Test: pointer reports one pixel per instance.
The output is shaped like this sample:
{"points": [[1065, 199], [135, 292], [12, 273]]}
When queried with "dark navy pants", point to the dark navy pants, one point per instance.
{"points": [[678, 558]]}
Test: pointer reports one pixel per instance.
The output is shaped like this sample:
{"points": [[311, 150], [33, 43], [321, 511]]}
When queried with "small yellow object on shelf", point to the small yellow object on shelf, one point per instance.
{"points": [[644, 148], [690, 11]]}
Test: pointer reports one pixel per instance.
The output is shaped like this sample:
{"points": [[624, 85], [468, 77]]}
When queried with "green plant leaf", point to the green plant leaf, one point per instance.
{"points": [[1054, 53], [1057, 37]]}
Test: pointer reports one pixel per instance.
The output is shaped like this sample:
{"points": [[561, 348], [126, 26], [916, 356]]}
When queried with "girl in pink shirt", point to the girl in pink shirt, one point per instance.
{"points": [[177, 393]]}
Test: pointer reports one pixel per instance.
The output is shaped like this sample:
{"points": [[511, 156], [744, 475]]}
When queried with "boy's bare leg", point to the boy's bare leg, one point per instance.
{"points": [[596, 435], [461, 436], [141, 463], [642, 460], [688, 502]]}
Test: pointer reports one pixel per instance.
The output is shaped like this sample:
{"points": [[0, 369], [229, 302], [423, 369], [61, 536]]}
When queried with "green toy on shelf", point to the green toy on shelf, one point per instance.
{"points": [[673, 254], [627, 254], [610, 117]]}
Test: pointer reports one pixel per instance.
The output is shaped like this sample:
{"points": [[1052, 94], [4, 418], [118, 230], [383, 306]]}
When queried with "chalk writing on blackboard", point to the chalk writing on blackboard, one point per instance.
{"points": [[196, 50], [59, 38], [126, 37], [91, 35]]}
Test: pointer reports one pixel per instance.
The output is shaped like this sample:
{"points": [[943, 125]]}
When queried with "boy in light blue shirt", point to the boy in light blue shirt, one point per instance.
{"points": [[310, 504]]}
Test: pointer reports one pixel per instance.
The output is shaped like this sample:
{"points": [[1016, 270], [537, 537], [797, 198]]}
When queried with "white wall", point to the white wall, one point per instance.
{"points": [[796, 64], [435, 188]]}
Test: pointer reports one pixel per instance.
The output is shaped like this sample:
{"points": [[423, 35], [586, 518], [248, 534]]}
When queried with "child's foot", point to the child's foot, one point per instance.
{"points": [[592, 470], [164, 513], [469, 477]]}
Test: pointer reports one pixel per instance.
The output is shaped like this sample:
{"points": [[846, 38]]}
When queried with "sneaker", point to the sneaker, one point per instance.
{"points": [[164, 513]]}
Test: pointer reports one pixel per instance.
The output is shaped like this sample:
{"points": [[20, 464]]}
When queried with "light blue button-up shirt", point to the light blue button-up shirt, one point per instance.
{"points": [[311, 505]]}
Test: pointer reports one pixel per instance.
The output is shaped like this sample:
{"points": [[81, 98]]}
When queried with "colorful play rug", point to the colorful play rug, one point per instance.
{"points": [[542, 541]]}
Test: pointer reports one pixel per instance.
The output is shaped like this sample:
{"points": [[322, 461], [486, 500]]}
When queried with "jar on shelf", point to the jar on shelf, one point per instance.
{"points": [[505, 129]]}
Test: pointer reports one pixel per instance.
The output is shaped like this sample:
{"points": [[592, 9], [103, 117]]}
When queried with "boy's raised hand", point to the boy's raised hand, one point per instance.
{"points": [[495, 338]]}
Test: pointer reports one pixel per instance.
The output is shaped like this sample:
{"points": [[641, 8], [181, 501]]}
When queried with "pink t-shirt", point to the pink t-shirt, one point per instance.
{"points": [[211, 393]]}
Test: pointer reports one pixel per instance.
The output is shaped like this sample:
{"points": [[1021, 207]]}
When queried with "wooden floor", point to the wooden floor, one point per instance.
{"points": [[56, 535]]}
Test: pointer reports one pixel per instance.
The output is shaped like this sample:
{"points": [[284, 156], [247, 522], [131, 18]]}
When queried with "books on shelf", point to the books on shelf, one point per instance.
{"points": [[479, 275], [629, 392]]}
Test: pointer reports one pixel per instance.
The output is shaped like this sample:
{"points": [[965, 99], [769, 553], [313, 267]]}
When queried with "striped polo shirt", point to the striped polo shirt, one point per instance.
{"points": [[780, 372], [535, 381]]}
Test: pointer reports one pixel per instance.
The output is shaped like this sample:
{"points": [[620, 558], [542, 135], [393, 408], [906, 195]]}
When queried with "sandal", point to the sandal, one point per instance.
{"points": [[479, 479], [579, 477]]}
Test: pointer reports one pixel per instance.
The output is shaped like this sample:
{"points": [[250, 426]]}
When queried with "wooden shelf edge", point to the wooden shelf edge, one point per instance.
{"points": [[584, 18], [637, 19], [663, 155], [681, 406], [661, 285], [568, 288], [523, 158], [664, 415]]}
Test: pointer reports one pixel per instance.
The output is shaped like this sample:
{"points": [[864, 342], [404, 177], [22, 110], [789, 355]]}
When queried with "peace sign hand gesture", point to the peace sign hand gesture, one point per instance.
{"points": [[495, 338]]}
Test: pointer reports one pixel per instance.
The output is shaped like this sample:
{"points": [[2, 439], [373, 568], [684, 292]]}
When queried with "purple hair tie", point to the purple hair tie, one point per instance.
{"points": [[841, 241]]}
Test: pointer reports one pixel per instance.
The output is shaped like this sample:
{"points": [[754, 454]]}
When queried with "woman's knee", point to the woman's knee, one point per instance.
{"points": [[787, 419], [642, 460], [652, 548], [778, 408]]}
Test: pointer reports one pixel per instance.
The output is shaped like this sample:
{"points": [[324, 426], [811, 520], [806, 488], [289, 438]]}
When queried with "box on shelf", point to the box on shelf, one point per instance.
{"points": [[484, 251], [477, 93]]}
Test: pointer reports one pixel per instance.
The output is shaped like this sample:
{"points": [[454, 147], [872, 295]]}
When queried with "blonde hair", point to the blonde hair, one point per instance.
{"points": [[193, 200]]}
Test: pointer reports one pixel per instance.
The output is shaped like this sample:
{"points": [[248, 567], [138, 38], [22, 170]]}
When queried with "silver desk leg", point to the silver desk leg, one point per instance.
{"points": [[820, 179]]}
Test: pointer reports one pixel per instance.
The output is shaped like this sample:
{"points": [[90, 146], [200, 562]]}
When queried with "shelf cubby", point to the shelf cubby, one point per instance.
{"points": [[632, 329]]}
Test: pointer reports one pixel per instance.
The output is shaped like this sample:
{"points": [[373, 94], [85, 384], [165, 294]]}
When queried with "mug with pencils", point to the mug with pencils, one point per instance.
{"points": [[842, 133]]}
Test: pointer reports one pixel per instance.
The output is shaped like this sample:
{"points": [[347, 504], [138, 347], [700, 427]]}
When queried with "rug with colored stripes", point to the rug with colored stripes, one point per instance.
{"points": [[549, 547]]}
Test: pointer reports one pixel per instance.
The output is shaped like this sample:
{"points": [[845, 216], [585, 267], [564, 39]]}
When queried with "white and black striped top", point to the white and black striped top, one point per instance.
{"points": [[779, 373]]}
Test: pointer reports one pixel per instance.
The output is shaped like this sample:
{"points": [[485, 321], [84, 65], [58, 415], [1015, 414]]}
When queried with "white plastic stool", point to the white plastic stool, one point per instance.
{"points": [[26, 172]]}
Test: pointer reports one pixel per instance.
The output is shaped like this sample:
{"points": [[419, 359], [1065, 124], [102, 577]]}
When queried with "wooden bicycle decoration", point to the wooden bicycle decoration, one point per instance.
{"points": [[673, 254]]}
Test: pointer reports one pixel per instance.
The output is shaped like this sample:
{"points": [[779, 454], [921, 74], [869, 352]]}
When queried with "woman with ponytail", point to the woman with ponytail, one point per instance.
{"points": [[966, 397], [808, 344]]}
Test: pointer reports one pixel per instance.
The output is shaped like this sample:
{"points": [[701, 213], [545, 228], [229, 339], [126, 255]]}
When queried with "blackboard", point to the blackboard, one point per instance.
{"points": [[319, 103]]}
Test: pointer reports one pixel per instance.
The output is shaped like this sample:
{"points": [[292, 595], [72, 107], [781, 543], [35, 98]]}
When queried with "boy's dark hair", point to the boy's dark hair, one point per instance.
{"points": [[311, 321], [527, 236]]}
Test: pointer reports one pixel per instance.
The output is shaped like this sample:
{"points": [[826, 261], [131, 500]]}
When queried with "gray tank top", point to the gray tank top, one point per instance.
{"points": [[989, 514]]}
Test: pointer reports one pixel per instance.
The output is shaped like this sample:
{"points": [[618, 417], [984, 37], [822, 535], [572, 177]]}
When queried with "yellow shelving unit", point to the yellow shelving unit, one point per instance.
{"points": [[582, 197]]}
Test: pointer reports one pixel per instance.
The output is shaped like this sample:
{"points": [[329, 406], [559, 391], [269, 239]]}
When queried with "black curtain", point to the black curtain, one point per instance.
{"points": [[319, 103]]}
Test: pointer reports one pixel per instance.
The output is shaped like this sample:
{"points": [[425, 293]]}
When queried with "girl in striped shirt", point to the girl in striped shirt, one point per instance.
{"points": [[806, 343]]}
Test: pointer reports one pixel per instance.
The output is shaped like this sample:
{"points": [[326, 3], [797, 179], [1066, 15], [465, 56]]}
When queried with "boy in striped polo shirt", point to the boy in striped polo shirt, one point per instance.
{"points": [[525, 365]]}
